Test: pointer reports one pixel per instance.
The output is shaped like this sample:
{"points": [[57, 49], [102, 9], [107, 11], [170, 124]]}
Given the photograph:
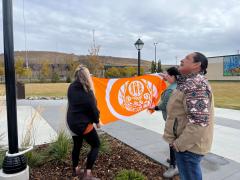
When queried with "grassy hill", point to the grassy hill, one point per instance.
{"points": [[61, 58]]}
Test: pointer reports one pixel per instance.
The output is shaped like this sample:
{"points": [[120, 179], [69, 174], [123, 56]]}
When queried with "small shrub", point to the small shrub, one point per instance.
{"points": [[42, 79], [55, 77], [35, 159], [68, 80], [1, 138], [104, 146], [2, 155], [130, 175], [2, 152], [60, 149]]}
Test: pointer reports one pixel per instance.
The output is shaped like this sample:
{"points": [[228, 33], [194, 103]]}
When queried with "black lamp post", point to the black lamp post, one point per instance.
{"points": [[139, 45], [14, 161]]}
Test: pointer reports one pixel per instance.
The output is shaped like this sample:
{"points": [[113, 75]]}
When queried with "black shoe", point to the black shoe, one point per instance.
{"points": [[168, 161]]}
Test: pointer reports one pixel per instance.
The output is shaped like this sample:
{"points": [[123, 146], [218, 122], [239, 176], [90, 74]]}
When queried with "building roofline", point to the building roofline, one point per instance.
{"points": [[224, 56]]}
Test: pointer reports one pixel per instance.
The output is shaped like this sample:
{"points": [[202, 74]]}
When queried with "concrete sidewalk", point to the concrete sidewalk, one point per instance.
{"points": [[226, 130], [151, 144]]}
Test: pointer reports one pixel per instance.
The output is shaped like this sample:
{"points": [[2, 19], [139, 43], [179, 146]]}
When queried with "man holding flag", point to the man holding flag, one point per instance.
{"points": [[189, 125]]}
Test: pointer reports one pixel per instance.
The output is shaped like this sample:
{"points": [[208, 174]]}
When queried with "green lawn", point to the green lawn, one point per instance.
{"points": [[226, 94], [43, 89]]}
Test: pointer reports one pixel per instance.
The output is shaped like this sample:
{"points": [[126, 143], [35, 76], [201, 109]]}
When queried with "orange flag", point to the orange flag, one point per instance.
{"points": [[124, 97]]}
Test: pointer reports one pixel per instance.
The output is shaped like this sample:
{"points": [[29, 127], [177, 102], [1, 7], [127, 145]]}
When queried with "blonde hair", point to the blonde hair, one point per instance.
{"points": [[83, 75]]}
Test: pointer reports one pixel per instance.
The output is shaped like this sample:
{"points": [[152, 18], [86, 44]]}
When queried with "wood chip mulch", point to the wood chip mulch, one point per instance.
{"points": [[107, 165]]}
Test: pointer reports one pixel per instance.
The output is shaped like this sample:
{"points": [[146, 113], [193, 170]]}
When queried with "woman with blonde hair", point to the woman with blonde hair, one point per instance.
{"points": [[81, 114]]}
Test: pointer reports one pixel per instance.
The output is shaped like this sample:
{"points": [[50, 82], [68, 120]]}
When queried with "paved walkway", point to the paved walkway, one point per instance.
{"points": [[151, 144], [144, 131]]}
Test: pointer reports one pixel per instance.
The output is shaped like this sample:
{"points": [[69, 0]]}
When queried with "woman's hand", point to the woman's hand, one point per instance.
{"points": [[161, 74], [151, 108]]}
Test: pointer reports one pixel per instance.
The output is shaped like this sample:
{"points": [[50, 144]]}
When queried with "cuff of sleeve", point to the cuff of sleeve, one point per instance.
{"points": [[156, 108]]}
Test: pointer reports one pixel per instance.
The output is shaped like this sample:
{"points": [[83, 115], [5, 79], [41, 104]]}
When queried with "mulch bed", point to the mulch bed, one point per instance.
{"points": [[107, 166]]}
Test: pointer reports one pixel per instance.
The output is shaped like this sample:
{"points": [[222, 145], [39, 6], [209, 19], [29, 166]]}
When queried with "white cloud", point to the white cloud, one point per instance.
{"points": [[179, 26]]}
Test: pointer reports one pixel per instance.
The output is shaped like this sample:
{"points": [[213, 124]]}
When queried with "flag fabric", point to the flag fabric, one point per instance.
{"points": [[124, 97]]}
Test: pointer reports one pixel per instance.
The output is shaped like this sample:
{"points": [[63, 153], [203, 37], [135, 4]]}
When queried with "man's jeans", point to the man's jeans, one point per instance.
{"points": [[188, 164]]}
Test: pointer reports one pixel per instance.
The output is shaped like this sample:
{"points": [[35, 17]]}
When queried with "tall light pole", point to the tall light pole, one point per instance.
{"points": [[155, 59], [139, 45], [176, 60], [14, 162]]}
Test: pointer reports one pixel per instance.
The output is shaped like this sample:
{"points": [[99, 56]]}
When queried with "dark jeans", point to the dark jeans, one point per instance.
{"points": [[188, 164], [93, 140], [172, 157]]}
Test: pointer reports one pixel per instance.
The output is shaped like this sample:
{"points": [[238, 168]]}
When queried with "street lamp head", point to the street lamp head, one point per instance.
{"points": [[139, 44]]}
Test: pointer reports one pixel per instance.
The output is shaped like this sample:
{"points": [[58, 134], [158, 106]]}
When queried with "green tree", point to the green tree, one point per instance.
{"points": [[94, 65], [21, 70], [1, 70], [153, 67], [28, 73], [159, 66], [45, 70], [71, 65], [133, 71], [19, 67], [112, 73], [123, 72], [55, 77]]}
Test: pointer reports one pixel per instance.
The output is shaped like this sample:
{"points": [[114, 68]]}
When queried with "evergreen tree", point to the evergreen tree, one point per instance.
{"points": [[159, 66], [153, 67]]}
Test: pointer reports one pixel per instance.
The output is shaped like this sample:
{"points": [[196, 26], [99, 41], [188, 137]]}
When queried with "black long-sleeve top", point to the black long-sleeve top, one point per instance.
{"points": [[82, 108]]}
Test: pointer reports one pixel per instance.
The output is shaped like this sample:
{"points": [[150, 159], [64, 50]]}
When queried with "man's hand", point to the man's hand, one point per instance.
{"points": [[173, 145]]}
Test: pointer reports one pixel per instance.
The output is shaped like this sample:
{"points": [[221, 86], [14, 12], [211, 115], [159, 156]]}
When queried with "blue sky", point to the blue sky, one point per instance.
{"points": [[179, 27]]}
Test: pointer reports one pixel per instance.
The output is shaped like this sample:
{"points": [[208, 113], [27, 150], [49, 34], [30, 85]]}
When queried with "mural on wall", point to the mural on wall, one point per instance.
{"points": [[231, 65]]}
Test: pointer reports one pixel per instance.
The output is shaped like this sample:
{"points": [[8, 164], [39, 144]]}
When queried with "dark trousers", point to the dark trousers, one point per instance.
{"points": [[93, 140], [172, 157]]}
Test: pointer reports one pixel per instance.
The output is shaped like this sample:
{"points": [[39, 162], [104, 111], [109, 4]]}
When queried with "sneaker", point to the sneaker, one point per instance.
{"points": [[171, 172]]}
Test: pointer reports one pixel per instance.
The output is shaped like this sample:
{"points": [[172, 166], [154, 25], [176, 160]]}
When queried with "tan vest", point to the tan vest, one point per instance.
{"points": [[187, 136]]}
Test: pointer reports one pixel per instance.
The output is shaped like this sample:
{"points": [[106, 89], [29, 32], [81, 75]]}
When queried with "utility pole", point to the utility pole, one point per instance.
{"points": [[25, 36], [155, 58], [94, 44], [176, 60]]}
